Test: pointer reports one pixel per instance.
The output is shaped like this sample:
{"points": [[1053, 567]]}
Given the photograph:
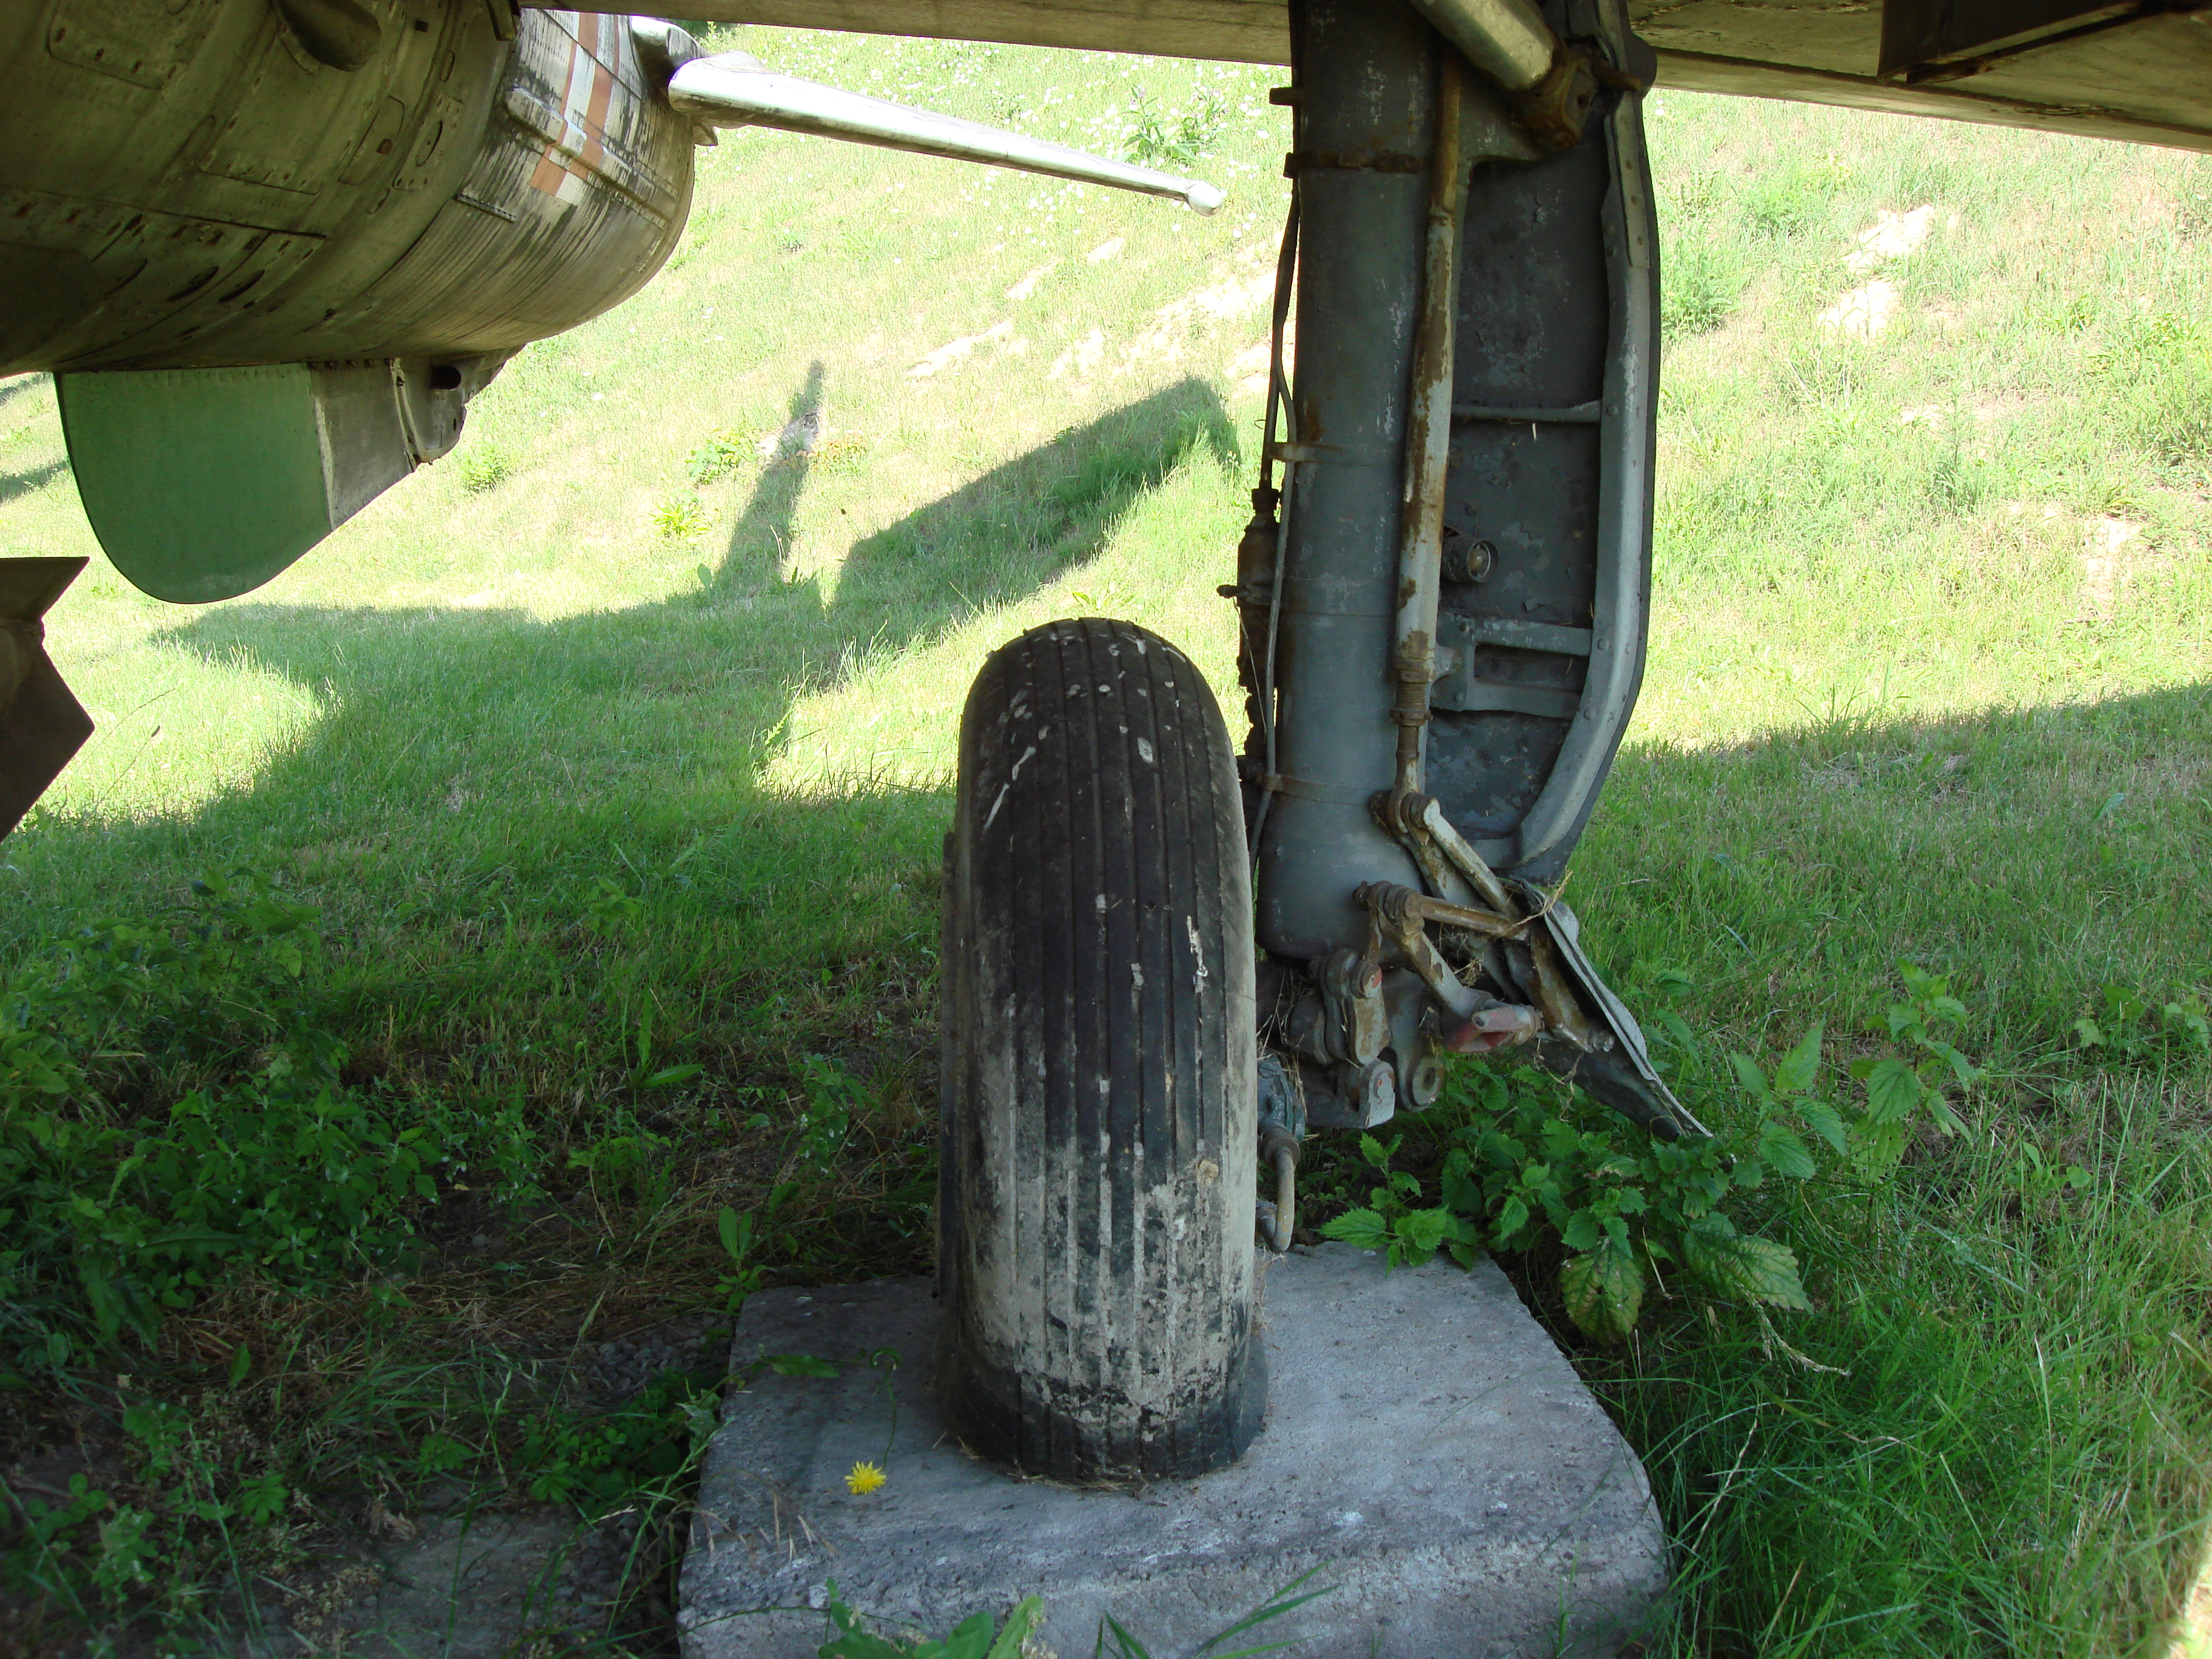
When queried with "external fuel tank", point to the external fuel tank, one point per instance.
{"points": [[187, 184]]}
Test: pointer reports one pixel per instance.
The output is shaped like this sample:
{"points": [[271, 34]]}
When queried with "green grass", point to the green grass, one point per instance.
{"points": [[617, 745]]}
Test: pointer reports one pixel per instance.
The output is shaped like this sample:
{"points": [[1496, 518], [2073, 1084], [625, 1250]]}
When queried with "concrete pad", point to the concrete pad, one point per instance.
{"points": [[1427, 1448]]}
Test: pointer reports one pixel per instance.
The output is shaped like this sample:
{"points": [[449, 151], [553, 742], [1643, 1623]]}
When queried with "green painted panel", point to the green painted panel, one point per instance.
{"points": [[201, 484]]}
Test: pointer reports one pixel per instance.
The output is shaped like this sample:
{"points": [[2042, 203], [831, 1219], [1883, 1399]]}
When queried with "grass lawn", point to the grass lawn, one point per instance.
{"points": [[575, 815]]}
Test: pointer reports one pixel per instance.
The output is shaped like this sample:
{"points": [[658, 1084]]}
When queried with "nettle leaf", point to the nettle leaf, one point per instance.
{"points": [[1421, 1232], [1801, 1066], [1876, 1147], [1893, 1090], [1824, 1120], [1748, 1074], [1361, 1228], [1604, 1292], [1462, 1191], [1677, 1029], [1965, 1070], [1512, 1217], [1756, 1269], [1460, 1234], [1780, 1146], [1582, 1231]]}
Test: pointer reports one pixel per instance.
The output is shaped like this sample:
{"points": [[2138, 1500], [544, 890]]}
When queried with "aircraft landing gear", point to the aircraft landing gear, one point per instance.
{"points": [[1442, 614]]}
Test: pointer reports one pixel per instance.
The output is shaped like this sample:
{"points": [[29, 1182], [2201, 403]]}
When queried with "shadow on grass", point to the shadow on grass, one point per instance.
{"points": [[17, 386], [467, 757], [13, 484]]}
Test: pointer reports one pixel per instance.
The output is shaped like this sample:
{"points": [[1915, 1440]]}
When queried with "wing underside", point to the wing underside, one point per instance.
{"points": [[2141, 71]]}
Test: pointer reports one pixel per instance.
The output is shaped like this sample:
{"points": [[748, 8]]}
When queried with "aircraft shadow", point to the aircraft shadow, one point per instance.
{"points": [[459, 738]]}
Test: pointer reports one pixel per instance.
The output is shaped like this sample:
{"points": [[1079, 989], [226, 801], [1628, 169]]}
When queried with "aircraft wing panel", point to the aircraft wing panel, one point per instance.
{"points": [[2146, 78], [2144, 75]]}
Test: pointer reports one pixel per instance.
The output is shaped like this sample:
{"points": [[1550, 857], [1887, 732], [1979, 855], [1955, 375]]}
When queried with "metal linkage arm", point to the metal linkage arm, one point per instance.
{"points": [[1584, 1032]]}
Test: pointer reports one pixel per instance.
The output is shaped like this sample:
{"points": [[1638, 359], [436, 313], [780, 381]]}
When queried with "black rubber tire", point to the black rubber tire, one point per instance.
{"points": [[1100, 1103]]}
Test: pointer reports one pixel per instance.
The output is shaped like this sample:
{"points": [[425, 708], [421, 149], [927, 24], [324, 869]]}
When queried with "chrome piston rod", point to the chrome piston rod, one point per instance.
{"points": [[734, 90]]}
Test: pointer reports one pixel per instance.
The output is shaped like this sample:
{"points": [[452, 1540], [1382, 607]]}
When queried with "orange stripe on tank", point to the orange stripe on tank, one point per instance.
{"points": [[595, 116], [547, 175]]}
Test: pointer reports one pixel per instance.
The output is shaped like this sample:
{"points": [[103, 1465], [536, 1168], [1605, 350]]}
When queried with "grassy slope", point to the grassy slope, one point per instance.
{"points": [[1928, 688]]}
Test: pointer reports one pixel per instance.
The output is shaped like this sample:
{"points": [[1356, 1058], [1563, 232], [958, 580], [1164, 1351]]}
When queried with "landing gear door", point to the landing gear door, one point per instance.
{"points": [[1548, 536]]}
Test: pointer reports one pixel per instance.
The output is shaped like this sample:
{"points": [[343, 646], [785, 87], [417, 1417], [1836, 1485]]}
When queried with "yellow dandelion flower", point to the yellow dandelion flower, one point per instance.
{"points": [[864, 1479]]}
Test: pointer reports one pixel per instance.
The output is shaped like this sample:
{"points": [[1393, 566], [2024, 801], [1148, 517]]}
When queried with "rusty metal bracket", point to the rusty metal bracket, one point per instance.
{"points": [[1557, 109], [1352, 160]]}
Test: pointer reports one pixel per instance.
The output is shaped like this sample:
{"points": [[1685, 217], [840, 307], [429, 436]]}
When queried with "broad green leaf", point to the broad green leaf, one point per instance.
{"points": [[1757, 1269], [1748, 1074], [1876, 1147], [1462, 1191], [1965, 1070], [1581, 1232], [1604, 1292], [1677, 1029], [1422, 1231], [1892, 1092], [1512, 1217], [1362, 1229], [1801, 1066], [970, 1639], [1780, 1146], [1824, 1120]]}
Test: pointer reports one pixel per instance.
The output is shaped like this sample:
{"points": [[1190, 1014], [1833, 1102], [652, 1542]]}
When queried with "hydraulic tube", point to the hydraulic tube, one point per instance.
{"points": [[1428, 443], [734, 90]]}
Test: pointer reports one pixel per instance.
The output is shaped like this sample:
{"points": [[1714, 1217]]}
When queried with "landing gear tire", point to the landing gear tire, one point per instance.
{"points": [[1100, 1116]]}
